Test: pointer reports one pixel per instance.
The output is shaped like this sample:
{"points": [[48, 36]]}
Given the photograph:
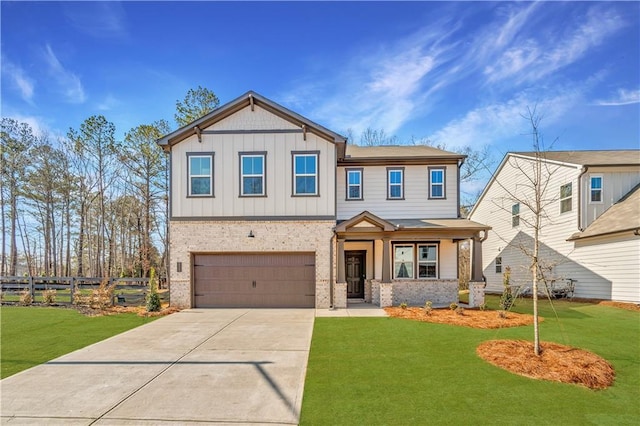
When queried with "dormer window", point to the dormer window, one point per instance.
{"points": [[596, 189]]}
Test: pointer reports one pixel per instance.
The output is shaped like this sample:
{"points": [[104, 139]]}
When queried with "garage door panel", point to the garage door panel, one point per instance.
{"points": [[254, 280]]}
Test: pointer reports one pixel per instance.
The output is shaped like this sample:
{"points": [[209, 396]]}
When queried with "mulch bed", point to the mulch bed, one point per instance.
{"points": [[469, 318], [556, 362]]}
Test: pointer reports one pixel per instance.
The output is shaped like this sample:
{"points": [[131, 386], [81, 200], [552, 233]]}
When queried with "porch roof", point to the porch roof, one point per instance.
{"points": [[455, 223]]}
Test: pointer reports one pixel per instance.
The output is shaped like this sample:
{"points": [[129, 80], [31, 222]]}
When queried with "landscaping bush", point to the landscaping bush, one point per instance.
{"points": [[428, 307], [506, 300], [49, 296], [153, 298], [26, 298]]}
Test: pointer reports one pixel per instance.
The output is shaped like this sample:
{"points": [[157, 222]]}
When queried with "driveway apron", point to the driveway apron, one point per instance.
{"points": [[239, 366]]}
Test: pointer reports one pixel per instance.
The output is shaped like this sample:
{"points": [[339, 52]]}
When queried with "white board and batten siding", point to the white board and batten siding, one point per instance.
{"points": [[416, 203], [278, 146]]}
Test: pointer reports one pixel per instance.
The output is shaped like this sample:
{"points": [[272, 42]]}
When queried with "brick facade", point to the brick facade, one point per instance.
{"points": [[231, 236], [414, 292]]}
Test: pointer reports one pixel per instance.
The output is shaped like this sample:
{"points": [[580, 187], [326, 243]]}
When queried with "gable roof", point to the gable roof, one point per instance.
{"points": [[414, 154], [589, 158], [368, 218], [570, 158], [623, 216], [250, 98]]}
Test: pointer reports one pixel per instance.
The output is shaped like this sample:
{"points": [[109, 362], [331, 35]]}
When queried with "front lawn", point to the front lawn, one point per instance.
{"points": [[396, 371], [30, 336]]}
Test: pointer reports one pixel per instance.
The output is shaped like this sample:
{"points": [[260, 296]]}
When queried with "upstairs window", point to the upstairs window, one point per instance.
{"points": [[200, 172], [565, 198], [515, 215], [252, 174], [436, 183], [395, 184], [305, 173], [354, 184], [596, 189], [499, 265]]}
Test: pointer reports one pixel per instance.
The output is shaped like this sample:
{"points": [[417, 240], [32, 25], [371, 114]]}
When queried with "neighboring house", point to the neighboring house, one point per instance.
{"points": [[591, 233], [269, 209]]}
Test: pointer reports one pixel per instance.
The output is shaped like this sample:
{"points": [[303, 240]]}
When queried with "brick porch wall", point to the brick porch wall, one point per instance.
{"points": [[416, 292], [231, 236]]}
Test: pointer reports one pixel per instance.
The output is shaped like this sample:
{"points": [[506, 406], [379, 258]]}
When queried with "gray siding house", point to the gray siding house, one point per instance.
{"points": [[269, 209]]}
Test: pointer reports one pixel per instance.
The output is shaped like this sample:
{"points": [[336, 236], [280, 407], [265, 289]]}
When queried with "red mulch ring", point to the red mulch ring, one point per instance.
{"points": [[469, 318], [621, 305], [558, 363]]}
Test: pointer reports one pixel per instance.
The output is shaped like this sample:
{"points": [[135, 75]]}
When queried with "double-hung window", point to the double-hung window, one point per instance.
{"points": [[515, 215], [415, 260], [305, 173], [200, 172], [596, 189], [252, 174], [499, 265], [436, 183], [427, 261], [403, 261], [565, 198], [354, 184], [395, 183]]}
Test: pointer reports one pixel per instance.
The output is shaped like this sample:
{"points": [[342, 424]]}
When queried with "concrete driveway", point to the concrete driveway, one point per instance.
{"points": [[240, 366]]}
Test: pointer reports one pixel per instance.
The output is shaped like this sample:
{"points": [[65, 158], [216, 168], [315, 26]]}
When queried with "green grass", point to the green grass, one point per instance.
{"points": [[391, 371], [31, 336]]}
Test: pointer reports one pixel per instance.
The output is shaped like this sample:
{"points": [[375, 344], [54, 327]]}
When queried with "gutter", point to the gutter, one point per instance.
{"points": [[582, 173]]}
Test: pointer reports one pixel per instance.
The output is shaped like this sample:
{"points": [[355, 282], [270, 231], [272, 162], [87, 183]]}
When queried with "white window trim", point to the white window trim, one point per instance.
{"points": [[498, 264], [316, 155], [389, 184], [263, 175], [442, 184], [350, 185], [513, 216], [570, 197], [209, 156], [413, 261], [601, 189]]}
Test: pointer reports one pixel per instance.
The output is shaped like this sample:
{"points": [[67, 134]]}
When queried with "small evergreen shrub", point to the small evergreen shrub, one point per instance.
{"points": [[459, 310], [506, 299], [428, 307], [453, 306], [403, 305], [153, 298]]}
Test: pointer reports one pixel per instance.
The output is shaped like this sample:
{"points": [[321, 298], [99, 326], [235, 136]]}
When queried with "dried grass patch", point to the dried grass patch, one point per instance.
{"points": [[558, 363], [470, 318]]}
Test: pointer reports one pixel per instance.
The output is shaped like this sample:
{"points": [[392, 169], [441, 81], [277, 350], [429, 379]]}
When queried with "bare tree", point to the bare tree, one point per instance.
{"points": [[534, 198]]}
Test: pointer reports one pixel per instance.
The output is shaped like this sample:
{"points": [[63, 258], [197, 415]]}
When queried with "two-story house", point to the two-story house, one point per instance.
{"points": [[590, 229], [269, 209]]}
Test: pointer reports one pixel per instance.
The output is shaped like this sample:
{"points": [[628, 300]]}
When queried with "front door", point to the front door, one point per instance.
{"points": [[355, 273]]}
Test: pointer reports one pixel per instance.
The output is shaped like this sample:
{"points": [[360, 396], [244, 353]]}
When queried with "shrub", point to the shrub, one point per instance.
{"points": [[102, 297], [49, 296], [502, 314], [26, 298], [428, 307], [153, 298], [403, 305], [506, 299], [483, 307], [459, 310], [453, 306]]}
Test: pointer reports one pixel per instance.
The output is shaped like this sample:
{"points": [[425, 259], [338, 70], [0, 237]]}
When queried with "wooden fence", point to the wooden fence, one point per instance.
{"points": [[126, 290]]}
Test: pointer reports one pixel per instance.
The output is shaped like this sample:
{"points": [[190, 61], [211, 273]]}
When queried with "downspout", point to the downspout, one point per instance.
{"points": [[582, 173]]}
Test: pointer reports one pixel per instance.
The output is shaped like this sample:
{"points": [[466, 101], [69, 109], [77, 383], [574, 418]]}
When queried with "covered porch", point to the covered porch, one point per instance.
{"points": [[392, 261]]}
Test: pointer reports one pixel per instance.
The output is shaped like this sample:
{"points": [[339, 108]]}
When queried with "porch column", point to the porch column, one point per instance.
{"points": [[341, 261], [386, 260], [476, 260]]}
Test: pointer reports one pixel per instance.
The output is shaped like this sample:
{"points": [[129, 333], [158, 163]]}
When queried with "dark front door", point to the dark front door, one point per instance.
{"points": [[355, 272]]}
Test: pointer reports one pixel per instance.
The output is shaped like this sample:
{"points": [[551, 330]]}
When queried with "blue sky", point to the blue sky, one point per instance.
{"points": [[458, 73]]}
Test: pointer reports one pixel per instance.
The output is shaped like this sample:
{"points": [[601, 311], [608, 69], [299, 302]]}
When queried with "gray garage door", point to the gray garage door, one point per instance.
{"points": [[255, 280]]}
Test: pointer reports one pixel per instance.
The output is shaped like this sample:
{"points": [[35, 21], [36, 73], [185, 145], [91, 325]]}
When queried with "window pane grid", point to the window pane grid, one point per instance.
{"points": [[200, 176], [252, 174], [305, 174], [354, 182], [395, 183], [565, 198], [596, 189], [407, 256]]}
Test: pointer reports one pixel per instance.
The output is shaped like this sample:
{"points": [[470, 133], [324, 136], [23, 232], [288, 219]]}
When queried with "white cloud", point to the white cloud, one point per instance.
{"points": [[622, 97], [108, 103], [20, 80], [68, 82], [538, 54], [103, 19]]}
